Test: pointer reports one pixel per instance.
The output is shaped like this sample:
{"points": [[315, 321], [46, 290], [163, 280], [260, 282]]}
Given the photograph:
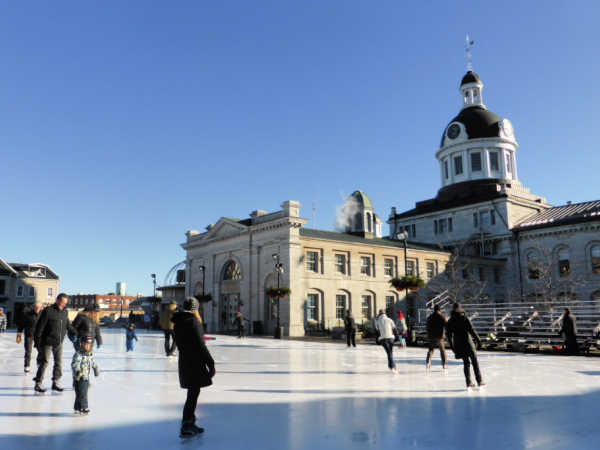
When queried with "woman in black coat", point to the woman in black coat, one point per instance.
{"points": [[463, 338], [196, 366], [569, 331]]}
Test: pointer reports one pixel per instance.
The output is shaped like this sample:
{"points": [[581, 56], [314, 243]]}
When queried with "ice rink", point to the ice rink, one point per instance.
{"points": [[297, 395]]}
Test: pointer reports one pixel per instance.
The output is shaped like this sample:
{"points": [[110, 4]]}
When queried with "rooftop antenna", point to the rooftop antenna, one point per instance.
{"points": [[468, 44]]}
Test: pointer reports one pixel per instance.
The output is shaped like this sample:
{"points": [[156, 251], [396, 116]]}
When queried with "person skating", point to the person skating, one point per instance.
{"points": [[27, 324], [167, 327], [463, 338], [569, 332], [50, 331], [2, 321], [402, 329], [83, 364], [385, 326], [129, 337], [85, 325], [238, 322], [436, 326], [350, 328], [196, 365]]}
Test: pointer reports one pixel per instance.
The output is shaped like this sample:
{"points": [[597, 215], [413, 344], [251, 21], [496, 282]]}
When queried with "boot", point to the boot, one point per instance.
{"points": [[187, 430], [56, 387], [38, 388]]}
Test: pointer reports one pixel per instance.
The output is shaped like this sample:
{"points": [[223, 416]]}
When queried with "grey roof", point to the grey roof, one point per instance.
{"points": [[562, 215], [351, 238]]}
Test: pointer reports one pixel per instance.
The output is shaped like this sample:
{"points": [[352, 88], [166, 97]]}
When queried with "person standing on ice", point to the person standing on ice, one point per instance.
{"points": [[350, 328], [402, 328], [436, 326], [85, 325], [569, 332], [129, 337], [196, 365], [463, 338], [167, 327], [238, 322], [385, 326], [27, 324], [83, 364]]}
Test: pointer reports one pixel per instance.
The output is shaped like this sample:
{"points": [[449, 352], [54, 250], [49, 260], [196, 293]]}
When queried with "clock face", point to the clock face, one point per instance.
{"points": [[453, 131]]}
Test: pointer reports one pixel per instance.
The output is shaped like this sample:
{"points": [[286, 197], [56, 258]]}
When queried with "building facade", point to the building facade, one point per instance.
{"points": [[109, 301]]}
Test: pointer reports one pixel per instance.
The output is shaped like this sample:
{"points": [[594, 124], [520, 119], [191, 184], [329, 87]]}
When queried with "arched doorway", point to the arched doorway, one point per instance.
{"points": [[230, 301]]}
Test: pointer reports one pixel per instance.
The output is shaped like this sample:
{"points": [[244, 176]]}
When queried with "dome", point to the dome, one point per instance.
{"points": [[362, 199], [470, 77], [479, 122]]}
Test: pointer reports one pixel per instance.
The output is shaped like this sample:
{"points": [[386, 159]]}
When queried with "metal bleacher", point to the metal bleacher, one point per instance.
{"points": [[520, 326]]}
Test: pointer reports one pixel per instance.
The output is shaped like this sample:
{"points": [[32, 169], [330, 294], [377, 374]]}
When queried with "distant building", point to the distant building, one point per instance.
{"points": [[121, 288], [103, 301], [22, 284]]}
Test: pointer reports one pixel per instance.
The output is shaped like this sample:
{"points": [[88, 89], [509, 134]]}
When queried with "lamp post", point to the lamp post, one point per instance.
{"points": [[279, 269], [203, 269], [153, 275], [403, 236]]}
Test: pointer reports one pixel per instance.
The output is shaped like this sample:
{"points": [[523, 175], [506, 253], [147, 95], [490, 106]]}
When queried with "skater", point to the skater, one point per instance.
{"points": [[50, 332], [27, 323], [350, 328], [2, 321], [167, 327], [463, 338], [402, 329], [129, 337], [84, 325], [569, 333], [385, 327], [82, 365], [239, 323], [196, 365], [436, 326]]}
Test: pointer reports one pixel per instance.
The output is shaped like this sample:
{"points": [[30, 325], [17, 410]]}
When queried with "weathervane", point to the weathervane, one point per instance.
{"points": [[468, 44]]}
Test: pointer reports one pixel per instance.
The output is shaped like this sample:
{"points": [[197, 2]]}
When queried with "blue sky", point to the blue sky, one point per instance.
{"points": [[124, 124]]}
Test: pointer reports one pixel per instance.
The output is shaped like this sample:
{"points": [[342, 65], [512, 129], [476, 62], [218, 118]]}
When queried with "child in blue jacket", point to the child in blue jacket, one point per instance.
{"points": [[129, 337]]}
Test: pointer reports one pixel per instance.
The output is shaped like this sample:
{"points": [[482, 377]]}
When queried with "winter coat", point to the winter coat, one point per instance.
{"points": [[52, 327], [401, 324], [461, 335], [2, 322], [238, 322], [165, 317], [82, 365], [569, 326], [195, 361], [83, 326], [385, 326], [28, 321], [130, 335], [349, 323], [436, 325]]}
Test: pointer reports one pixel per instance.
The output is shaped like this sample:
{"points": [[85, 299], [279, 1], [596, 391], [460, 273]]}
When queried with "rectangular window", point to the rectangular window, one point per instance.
{"points": [[340, 306], [497, 277], [481, 274], [476, 162], [340, 263], [19, 291], [311, 306], [484, 218], [410, 267], [31, 291], [312, 259], [508, 163], [494, 161], [366, 307], [442, 223], [365, 265], [493, 217], [435, 227], [389, 304], [388, 267], [446, 169], [475, 220], [458, 168], [430, 265], [450, 224]]}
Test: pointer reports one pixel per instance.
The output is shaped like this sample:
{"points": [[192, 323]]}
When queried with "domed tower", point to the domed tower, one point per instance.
{"points": [[360, 217], [476, 144]]}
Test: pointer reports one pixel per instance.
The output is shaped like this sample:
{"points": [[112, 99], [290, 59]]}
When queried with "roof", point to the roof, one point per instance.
{"points": [[470, 77], [479, 122], [562, 215], [351, 238], [362, 199]]}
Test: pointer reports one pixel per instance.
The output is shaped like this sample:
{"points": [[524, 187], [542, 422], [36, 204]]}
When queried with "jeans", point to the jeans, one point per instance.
{"points": [[189, 408], [43, 359], [351, 337], [468, 359], [81, 390], [388, 345], [129, 345], [28, 343], [169, 336], [433, 343]]}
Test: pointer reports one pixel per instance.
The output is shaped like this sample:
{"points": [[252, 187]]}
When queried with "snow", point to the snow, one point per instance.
{"points": [[298, 395]]}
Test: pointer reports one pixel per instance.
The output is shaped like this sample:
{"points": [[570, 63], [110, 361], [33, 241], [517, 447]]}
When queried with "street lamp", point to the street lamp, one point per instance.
{"points": [[278, 267], [153, 275], [403, 236], [203, 269]]}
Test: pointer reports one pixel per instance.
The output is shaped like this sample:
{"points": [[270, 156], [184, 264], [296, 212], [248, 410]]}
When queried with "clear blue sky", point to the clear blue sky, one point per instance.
{"points": [[124, 124]]}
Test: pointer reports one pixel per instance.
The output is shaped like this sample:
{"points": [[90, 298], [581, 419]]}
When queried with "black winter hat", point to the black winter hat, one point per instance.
{"points": [[191, 304]]}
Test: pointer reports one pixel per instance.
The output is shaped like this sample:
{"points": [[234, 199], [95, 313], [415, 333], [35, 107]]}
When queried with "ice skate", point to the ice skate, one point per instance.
{"points": [[470, 386], [56, 387], [190, 430], [482, 385], [27, 369], [38, 388], [84, 412]]}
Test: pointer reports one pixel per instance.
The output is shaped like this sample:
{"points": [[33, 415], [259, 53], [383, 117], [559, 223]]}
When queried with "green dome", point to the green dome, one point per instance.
{"points": [[362, 199]]}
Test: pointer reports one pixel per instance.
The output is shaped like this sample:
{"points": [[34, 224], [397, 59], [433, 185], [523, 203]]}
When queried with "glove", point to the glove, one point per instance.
{"points": [[212, 371], [18, 338]]}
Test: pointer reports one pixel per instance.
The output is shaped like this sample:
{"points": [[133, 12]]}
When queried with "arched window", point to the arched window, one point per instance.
{"points": [[595, 255], [533, 265], [358, 222], [369, 229], [564, 266], [232, 271]]}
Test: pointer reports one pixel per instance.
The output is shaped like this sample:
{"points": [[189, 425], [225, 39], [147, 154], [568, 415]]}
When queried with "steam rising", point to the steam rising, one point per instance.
{"points": [[344, 214]]}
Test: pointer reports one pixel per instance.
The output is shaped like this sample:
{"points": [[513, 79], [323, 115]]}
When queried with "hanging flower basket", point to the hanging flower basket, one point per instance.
{"points": [[205, 298], [280, 292], [410, 282]]}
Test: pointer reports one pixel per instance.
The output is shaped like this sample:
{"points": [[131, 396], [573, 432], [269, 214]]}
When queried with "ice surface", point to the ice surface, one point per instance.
{"points": [[298, 395]]}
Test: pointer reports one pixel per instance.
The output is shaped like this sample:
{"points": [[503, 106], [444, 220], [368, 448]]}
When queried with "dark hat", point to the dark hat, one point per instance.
{"points": [[190, 304], [381, 311], [436, 308]]}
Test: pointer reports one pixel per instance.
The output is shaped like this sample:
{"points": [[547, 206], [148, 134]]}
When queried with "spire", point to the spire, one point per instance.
{"points": [[468, 44]]}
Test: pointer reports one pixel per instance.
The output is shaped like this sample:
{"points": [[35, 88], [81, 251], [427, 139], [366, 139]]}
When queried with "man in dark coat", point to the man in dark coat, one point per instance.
{"points": [[85, 325], [350, 328], [196, 366], [569, 332], [27, 323], [436, 325], [50, 331], [463, 338], [238, 322]]}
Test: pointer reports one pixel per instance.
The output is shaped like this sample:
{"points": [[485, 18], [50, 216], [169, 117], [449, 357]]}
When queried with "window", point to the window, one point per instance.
{"points": [[484, 218], [533, 266], [369, 222], [435, 227], [466, 274], [366, 307], [481, 274], [413, 229], [494, 161], [388, 267], [50, 292], [475, 220], [389, 304], [564, 266], [476, 162], [410, 267], [19, 291], [458, 169], [492, 217], [508, 163], [340, 263], [497, 275], [340, 306], [312, 261], [2, 286], [442, 225], [311, 307], [365, 265], [450, 224], [446, 168], [430, 268], [232, 271], [31, 291], [595, 254]]}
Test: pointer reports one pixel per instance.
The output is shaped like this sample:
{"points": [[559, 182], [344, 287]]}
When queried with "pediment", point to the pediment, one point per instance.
{"points": [[225, 228]]}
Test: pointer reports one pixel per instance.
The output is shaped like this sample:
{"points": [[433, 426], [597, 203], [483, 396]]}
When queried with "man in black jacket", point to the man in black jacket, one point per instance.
{"points": [[436, 325], [463, 338], [569, 332], [50, 332], [27, 323], [85, 325], [350, 328]]}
